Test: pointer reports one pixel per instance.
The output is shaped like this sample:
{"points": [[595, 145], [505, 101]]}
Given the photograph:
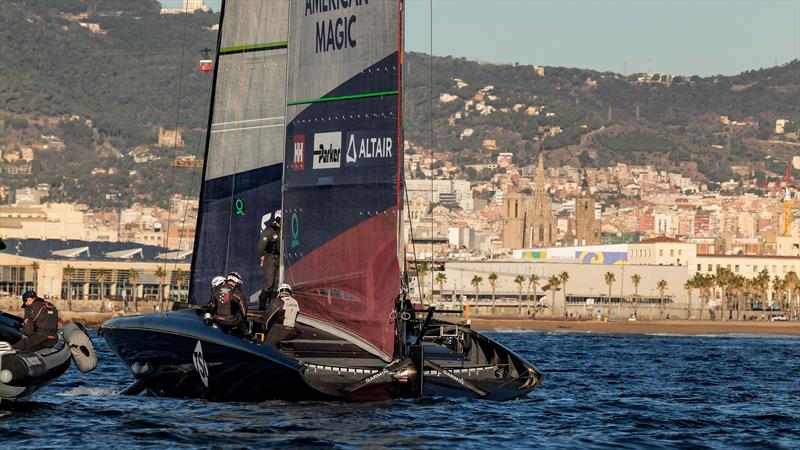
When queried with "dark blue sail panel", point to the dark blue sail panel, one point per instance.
{"points": [[341, 171], [235, 210]]}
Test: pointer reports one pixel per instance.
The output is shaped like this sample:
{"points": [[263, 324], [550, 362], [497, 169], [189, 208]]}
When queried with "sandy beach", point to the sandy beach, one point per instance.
{"points": [[687, 327]]}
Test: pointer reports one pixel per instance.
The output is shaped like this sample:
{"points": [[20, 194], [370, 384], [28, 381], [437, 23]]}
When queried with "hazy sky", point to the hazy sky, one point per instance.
{"points": [[665, 36]]}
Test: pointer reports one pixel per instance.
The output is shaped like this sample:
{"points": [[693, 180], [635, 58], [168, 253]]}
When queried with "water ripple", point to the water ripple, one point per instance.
{"points": [[601, 391]]}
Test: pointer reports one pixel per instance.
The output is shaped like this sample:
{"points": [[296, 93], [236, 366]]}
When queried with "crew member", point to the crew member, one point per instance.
{"points": [[40, 326], [282, 312], [216, 282], [228, 306], [269, 255]]}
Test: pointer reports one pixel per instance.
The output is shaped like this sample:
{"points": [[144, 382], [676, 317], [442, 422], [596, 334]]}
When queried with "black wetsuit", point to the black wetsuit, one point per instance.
{"points": [[228, 307], [269, 248], [40, 326]]}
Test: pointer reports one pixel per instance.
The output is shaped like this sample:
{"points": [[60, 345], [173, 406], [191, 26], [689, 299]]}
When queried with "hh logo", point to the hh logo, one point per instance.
{"points": [[298, 143], [200, 363]]}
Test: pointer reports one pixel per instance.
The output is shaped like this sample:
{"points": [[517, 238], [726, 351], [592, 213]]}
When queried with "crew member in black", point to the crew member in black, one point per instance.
{"points": [[269, 255], [40, 326], [228, 307]]}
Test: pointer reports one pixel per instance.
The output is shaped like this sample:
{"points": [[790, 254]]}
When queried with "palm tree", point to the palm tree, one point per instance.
{"points": [[422, 272], [161, 274], [553, 283], [761, 287], [520, 281], [779, 286], [792, 285], [476, 283], [493, 285], [133, 277], [533, 281], [722, 280], [689, 285], [662, 288], [564, 277], [441, 278], [636, 279], [706, 284], [609, 278], [69, 274], [102, 276], [180, 275], [35, 268]]}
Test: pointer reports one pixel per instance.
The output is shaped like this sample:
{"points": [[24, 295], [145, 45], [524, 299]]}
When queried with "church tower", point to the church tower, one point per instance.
{"points": [[587, 228], [515, 207], [541, 229]]}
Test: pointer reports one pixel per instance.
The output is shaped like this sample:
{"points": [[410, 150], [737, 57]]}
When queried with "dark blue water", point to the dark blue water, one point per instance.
{"points": [[601, 392]]}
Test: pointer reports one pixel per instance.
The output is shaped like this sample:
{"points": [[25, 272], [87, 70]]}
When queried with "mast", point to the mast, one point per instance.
{"points": [[241, 188], [342, 176]]}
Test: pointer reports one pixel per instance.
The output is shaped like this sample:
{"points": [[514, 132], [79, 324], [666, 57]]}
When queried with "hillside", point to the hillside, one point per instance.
{"points": [[103, 76], [590, 118], [125, 78]]}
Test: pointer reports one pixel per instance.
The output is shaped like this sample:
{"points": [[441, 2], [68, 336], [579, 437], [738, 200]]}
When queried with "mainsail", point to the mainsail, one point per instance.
{"points": [[342, 164], [241, 188]]}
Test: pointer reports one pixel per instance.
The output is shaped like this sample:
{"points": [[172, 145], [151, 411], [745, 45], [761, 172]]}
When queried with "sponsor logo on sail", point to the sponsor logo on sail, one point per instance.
{"points": [[295, 230], [200, 363], [367, 146], [328, 150], [298, 144]]}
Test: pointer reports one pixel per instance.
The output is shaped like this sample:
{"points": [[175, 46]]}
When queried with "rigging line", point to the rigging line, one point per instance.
{"points": [[430, 100], [175, 144], [413, 246], [189, 197], [193, 185]]}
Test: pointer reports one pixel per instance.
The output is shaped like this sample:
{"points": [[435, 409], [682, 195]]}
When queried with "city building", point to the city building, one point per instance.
{"points": [[530, 222], [187, 6], [82, 270], [169, 138], [587, 228]]}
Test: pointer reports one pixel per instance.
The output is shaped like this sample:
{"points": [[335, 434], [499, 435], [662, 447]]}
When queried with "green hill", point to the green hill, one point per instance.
{"points": [[126, 71]]}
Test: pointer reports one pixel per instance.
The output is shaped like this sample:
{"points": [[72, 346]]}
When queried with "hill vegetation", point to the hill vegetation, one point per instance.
{"points": [[105, 76]]}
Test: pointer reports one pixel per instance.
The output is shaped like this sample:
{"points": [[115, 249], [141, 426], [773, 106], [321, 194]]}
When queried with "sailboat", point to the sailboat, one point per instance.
{"points": [[307, 119]]}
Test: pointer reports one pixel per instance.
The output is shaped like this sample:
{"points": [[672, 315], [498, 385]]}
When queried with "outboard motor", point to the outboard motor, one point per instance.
{"points": [[81, 347]]}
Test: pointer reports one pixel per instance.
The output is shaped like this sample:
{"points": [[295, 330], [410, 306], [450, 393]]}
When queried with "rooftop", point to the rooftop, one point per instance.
{"points": [[74, 250]]}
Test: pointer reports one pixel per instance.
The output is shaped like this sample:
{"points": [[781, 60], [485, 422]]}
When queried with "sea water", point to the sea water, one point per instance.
{"points": [[601, 391]]}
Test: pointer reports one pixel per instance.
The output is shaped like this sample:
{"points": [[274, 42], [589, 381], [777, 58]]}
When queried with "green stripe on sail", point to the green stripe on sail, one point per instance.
{"points": [[253, 47], [343, 97]]}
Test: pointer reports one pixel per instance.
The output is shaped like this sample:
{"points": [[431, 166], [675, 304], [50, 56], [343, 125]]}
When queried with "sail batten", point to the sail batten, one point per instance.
{"points": [[341, 166]]}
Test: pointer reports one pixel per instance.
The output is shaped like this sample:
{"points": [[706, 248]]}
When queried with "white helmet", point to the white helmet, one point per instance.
{"points": [[278, 214], [217, 281], [285, 288], [235, 278]]}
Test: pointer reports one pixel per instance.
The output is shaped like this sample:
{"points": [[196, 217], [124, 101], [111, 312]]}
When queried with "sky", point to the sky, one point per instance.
{"points": [[684, 37]]}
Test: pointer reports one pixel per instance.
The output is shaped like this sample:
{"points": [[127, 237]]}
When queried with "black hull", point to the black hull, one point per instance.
{"points": [[177, 354]]}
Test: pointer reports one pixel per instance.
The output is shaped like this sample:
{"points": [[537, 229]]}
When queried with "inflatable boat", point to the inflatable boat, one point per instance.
{"points": [[23, 373]]}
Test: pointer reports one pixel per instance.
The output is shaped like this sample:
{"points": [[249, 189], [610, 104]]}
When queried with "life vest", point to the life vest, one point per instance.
{"points": [[223, 303], [45, 321]]}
